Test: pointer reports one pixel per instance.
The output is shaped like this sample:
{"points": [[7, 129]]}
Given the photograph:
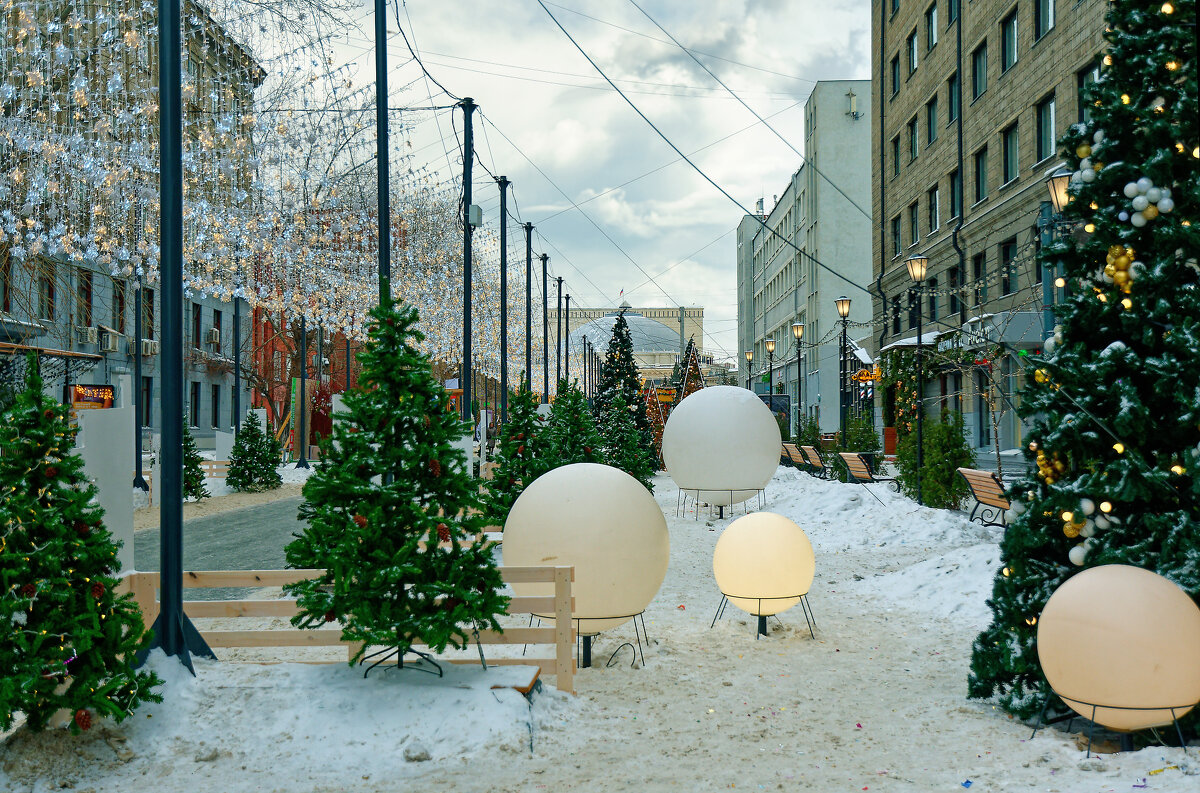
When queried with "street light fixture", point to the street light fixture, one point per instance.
{"points": [[749, 358], [798, 333], [843, 310], [770, 345], [917, 265], [1057, 183]]}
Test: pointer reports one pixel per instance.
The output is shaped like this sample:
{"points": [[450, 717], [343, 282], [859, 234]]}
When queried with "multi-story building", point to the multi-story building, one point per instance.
{"points": [[73, 248], [824, 212], [972, 97]]}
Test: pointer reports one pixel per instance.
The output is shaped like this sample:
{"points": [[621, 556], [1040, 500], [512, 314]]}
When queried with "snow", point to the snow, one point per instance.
{"points": [[877, 701]]}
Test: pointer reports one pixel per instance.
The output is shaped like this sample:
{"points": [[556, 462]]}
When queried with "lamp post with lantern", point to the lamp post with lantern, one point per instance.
{"points": [[917, 264], [843, 310], [1050, 223], [770, 345], [798, 333], [749, 375]]}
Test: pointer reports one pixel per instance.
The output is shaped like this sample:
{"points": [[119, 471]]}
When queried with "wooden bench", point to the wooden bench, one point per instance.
{"points": [[861, 473], [561, 635], [816, 464], [990, 501], [215, 469], [793, 455]]}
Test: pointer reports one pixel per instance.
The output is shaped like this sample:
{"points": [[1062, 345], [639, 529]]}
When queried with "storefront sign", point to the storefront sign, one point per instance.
{"points": [[89, 397]]}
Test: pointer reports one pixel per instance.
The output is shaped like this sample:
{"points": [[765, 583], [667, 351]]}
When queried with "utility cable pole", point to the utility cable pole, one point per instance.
{"points": [[468, 107]]}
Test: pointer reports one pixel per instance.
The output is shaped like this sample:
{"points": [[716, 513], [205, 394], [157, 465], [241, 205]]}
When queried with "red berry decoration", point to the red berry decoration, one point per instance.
{"points": [[97, 590], [435, 467], [29, 590], [48, 414], [80, 528], [443, 532], [521, 437], [521, 449], [51, 472], [360, 521], [587, 449], [83, 718], [451, 603], [330, 616]]}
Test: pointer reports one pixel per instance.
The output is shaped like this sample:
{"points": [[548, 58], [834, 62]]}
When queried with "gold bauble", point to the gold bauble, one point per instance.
{"points": [[1109, 270], [1121, 277], [1116, 250], [1070, 530], [1150, 212], [1050, 480], [1060, 466], [1083, 150], [1040, 375], [1122, 262]]}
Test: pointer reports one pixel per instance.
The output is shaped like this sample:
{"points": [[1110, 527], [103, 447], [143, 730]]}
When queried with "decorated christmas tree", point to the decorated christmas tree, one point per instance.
{"points": [[571, 436], [520, 457], [254, 459], [1115, 418], [69, 639], [624, 445], [393, 513], [193, 474], [619, 375], [656, 415], [689, 379]]}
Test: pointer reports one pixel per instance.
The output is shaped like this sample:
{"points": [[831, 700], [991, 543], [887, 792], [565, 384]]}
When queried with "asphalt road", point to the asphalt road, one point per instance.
{"points": [[247, 539]]}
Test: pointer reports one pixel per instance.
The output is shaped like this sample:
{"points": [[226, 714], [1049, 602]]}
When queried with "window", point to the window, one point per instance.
{"points": [[216, 406], [931, 26], [911, 47], [147, 313], [194, 408], [983, 410], [932, 285], [147, 394], [1045, 128], [979, 275], [953, 97], [913, 142], [197, 315], [896, 156], [934, 219], [1043, 17], [895, 75], [955, 194], [895, 5], [931, 120], [896, 243], [1083, 80], [1008, 41], [951, 10], [217, 327], [6, 285], [981, 190], [914, 231], [83, 298], [1008, 276], [952, 275], [1011, 154], [896, 314], [979, 71], [46, 296], [914, 306], [119, 306]]}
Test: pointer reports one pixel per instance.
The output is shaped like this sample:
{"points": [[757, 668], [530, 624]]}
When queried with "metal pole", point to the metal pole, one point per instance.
{"points": [[1046, 233], [347, 362], [138, 407], [468, 107], [301, 412], [504, 183], [567, 342], [173, 631], [799, 390], [545, 336], [237, 364], [842, 383], [920, 400], [528, 306], [770, 378], [558, 337], [382, 184]]}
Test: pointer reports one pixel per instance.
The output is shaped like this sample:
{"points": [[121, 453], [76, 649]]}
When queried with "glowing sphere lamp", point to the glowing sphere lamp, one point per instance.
{"points": [[764, 565]]}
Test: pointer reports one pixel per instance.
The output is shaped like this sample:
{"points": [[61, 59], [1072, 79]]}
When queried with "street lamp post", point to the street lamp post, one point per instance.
{"points": [[843, 310], [1050, 224], [770, 345], [749, 359], [917, 264], [798, 333]]}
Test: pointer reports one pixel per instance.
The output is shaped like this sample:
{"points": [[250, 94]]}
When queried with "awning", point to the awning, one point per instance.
{"points": [[49, 352]]}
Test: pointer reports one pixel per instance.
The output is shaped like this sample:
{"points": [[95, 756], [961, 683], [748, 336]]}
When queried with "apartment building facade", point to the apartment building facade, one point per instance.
{"points": [[972, 99], [824, 212]]}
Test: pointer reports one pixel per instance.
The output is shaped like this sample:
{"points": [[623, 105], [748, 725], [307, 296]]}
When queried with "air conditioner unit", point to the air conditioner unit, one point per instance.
{"points": [[213, 337], [108, 342], [87, 335], [149, 347]]}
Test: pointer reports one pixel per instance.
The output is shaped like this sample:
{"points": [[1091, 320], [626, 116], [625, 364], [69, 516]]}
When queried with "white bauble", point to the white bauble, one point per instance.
{"points": [[1140, 202], [1165, 205], [1018, 507], [1088, 529], [1144, 184], [1131, 189], [1077, 555], [1085, 163], [1166, 192], [1087, 506], [1137, 219], [1098, 136], [1101, 522], [1153, 195], [1010, 516], [1087, 175], [1048, 345], [1123, 216]]}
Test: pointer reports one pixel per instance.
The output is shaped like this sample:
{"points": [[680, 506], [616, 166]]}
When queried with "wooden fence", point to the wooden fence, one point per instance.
{"points": [[561, 636]]}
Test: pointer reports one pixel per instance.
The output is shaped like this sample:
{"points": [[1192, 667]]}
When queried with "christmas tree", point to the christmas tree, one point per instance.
{"points": [[1112, 401], [624, 446], [520, 458], [70, 640], [193, 474], [572, 436], [254, 459], [619, 375], [393, 513], [656, 416], [689, 378]]}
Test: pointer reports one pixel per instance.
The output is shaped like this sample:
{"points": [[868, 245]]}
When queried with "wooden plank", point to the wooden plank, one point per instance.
{"points": [[252, 578], [519, 636], [286, 638], [241, 608], [530, 575], [533, 604], [564, 633]]}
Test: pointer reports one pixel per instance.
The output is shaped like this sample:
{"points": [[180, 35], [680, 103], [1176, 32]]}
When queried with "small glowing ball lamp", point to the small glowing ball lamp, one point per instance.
{"points": [[1124, 637], [722, 443], [605, 523], [764, 564]]}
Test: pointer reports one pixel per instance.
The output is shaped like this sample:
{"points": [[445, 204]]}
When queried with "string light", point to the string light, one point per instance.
{"points": [[1106, 506], [1119, 447]]}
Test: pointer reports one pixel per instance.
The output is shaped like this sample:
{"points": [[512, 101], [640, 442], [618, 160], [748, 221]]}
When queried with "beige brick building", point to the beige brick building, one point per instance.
{"points": [[972, 97]]}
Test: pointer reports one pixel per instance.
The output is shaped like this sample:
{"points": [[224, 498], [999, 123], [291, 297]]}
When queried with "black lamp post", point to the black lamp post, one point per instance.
{"points": [[749, 376], [843, 310], [798, 333], [1056, 183], [917, 264], [770, 345]]}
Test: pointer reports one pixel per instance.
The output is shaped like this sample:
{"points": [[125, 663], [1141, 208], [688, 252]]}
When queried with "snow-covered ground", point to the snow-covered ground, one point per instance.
{"points": [[876, 702]]}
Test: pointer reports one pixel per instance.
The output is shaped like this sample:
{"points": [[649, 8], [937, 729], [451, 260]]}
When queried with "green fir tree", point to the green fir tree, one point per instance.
{"points": [[1115, 417], [520, 457], [70, 641], [619, 375], [571, 436], [624, 446], [253, 463], [193, 475], [688, 377], [946, 449], [393, 512]]}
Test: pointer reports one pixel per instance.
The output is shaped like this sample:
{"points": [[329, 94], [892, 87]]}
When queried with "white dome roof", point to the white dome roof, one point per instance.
{"points": [[647, 335]]}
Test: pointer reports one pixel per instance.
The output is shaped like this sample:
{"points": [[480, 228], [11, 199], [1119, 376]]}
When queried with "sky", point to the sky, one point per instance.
{"points": [[667, 238]]}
